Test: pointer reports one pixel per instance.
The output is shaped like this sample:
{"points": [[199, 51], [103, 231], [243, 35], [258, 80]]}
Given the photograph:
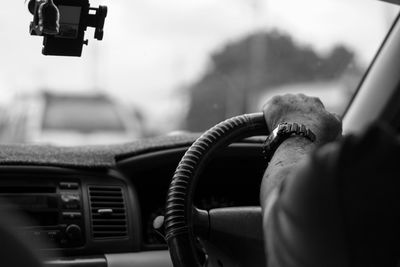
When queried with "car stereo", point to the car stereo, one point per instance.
{"points": [[53, 213]]}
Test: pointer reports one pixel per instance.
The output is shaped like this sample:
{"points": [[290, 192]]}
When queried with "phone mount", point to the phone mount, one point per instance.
{"points": [[63, 23]]}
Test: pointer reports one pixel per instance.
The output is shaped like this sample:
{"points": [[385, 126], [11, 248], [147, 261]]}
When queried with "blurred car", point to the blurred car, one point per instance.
{"points": [[74, 119]]}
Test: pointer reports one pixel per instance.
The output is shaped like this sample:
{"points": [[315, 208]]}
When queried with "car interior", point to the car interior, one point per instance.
{"points": [[183, 199]]}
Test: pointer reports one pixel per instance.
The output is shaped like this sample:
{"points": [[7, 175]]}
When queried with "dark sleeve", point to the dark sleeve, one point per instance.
{"points": [[342, 207]]}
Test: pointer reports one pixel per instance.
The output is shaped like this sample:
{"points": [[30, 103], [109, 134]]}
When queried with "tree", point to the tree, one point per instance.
{"points": [[260, 61]]}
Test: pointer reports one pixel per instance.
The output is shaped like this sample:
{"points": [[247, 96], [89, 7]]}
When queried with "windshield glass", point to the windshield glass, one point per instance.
{"points": [[179, 65]]}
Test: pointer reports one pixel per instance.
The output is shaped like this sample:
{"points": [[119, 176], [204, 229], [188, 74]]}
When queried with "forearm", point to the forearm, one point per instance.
{"points": [[284, 164], [291, 163]]}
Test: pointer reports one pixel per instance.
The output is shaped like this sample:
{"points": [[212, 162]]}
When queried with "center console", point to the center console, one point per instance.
{"points": [[72, 212]]}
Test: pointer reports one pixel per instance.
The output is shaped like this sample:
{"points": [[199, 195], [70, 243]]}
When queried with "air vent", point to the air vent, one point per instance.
{"points": [[108, 212]]}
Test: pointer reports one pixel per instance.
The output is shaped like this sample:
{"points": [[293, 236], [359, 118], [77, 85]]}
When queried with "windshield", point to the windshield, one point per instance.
{"points": [[179, 65]]}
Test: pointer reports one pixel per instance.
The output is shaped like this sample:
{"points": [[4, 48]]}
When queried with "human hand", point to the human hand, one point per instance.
{"points": [[305, 110]]}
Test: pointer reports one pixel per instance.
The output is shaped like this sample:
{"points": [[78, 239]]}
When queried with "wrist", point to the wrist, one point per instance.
{"points": [[298, 144], [324, 130], [283, 132], [292, 151]]}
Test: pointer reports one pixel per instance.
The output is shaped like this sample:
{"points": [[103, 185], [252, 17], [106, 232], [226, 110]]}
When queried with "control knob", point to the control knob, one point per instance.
{"points": [[73, 232]]}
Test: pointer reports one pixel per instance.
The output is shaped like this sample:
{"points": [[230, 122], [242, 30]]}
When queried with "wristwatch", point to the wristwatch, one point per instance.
{"points": [[282, 132]]}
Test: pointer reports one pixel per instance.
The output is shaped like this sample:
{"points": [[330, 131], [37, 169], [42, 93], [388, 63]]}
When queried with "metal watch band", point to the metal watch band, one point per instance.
{"points": [[282, 132]]}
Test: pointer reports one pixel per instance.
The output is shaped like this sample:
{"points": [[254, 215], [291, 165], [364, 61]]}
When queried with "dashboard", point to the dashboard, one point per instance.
{"points": [[103, 215]]}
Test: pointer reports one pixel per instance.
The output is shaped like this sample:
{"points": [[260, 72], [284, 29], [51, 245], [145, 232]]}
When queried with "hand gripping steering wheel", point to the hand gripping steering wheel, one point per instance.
{"points": [[230, 236]]}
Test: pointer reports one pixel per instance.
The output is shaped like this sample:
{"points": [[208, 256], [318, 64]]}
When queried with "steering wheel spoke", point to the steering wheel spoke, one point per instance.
{"points": [[242, 223], [201, 223], [231, 235], [236, 224]]}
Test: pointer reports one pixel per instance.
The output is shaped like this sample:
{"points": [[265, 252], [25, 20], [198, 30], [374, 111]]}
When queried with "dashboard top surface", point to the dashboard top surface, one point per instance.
{"points": [[87, 156], [93, 156]]}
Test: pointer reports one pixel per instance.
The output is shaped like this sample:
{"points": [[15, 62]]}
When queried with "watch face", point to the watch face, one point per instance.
{"points": [[278, 130], [283, 128]]}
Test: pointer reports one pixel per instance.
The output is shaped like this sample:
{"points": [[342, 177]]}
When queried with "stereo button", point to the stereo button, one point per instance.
{"points": [[37, 234], [53, 235], [68, 185], [71, 215], [70, 201]]}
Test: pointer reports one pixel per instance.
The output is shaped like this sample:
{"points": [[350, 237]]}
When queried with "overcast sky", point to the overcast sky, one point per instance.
{"points": [[151, 47]]}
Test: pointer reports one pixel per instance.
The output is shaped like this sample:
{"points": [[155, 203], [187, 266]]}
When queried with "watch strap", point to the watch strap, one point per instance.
{"points": [[282, 132]]}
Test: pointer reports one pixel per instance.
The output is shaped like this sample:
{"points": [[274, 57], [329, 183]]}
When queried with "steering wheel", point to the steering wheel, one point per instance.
{"points": [[229, 236]]}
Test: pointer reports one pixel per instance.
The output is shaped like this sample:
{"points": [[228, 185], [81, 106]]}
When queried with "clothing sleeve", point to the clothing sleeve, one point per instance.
{"points": [[341, 208]]}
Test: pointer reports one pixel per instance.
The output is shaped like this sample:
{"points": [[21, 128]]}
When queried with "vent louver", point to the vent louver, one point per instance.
{"points": [[108, 212]]}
